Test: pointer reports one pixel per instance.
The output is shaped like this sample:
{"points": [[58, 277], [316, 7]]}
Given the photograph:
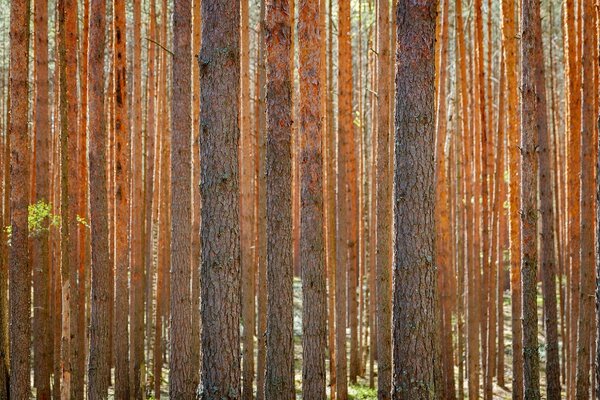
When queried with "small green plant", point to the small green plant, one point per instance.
{"points": [[82, 221], [8, 232], [40, 218]]}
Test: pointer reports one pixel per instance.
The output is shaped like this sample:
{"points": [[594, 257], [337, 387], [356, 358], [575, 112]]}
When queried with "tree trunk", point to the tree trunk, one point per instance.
{"points": [[220, 273], [19, 271], [136, 307], [314, 317], [509, 40], [533, 121], [279, 380], [41, 319], [122, 204], [181, 385], [417, 367], [101, 290], [384, 207], [587, 252]]}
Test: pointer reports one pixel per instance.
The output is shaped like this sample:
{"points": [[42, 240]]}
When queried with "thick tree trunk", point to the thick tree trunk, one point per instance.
{"points": [[181, 384], [279, 379], [19, 270], [101, 290], [41, 262], [314, 317], [417, 367], [220, 273]]}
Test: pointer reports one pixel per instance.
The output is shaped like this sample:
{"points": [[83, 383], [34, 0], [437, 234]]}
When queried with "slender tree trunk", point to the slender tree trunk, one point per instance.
{"points": [[72, 379], [151, 171], [41, 319], [136, 334], [417, 369], [587, 252], [346, 171], [314, 322], [547, 245], [220, 273], [180, 368], [122, 204], [384, 207], [101, 290], [443, 244], [19, 271], [509, 38], [472, 328], [533, 123], [573, 156]]}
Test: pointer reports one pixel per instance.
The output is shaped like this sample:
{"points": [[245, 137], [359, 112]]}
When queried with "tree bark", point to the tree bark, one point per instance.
{"points": [[41, 262], [384, 207], [587, 251], [19, 269], [279, 379], [220, 272], [533, 122], [101, 290], [122, 204], [509, 40], [416, 349], [314, 317], [180, 368]]}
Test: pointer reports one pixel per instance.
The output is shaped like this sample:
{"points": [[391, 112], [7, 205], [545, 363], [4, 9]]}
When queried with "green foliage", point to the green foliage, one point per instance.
{"points": [[8, 231], [361, 392], [82, 221], [40, 218]]}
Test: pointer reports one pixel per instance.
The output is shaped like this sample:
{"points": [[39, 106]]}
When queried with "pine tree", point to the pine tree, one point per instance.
{"points": [[220, 274], [416, 349]]}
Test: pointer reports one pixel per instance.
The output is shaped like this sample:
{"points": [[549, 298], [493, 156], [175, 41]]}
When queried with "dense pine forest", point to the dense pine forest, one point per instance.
{"points": [[299, 199]]}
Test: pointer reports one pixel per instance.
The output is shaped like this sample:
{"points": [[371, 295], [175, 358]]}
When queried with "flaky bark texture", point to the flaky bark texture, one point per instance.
{"points": [[101, 290], [312, 255], [532, 122], [384, 207], [416, 371], [122, 204], [41, 337], [19, 270], [180, 368], [587, 272], [279, 380], [220, 273]]}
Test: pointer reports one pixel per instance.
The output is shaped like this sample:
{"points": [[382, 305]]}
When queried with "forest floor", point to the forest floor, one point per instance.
{"points": [[361, 389]]}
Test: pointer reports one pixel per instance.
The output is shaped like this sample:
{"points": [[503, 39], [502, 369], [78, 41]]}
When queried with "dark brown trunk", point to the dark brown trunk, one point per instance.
{"points": [[220, 272], [417, 367]]}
